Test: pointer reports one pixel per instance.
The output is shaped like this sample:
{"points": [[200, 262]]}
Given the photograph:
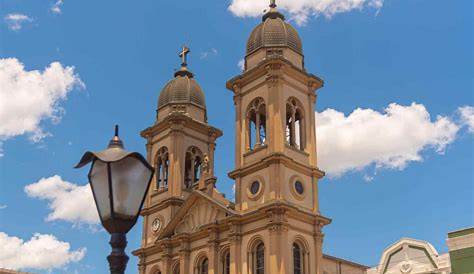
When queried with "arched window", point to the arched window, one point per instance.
{"points": [[256, 123], [256, 257], [192, 166], [204, 266], [161, 168], [176, 268], [225, 262], [298, 267], [295, 133], [259, 262]]}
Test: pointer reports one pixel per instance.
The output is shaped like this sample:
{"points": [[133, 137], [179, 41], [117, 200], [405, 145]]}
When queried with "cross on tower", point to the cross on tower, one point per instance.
{"points": [[273, 4], [184, 54]]}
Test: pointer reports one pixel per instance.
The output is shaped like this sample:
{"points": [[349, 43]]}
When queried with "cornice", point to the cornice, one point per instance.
{"points": [[266, 67], [170, 201], [177, 121], [274, 158]]}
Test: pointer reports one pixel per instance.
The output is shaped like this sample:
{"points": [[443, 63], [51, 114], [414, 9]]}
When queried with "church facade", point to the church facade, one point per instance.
{"points": [[275, 225]]}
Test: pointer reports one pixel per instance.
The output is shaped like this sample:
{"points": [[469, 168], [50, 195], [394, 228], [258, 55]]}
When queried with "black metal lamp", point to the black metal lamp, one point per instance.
{"points": [[119, 180]]}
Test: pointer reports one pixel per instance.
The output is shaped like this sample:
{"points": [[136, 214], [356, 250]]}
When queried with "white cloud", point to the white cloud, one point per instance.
{"points": [[67, 201], [3, 206], [15, 21], [42, 251], [389, 139], [56, 8], [467, 117], [368, 178], [29, 97], [210, 52], [301, 10], [241, 64]]}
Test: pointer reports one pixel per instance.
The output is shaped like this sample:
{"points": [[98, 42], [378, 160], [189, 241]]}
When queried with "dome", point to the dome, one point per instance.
{"points": [[274, 32], [183, 89]]}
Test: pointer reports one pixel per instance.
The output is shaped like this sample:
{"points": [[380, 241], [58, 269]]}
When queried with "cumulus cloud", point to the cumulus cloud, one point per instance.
{"points": [[3, 206], [29, 97], [67, 201], [56, 8], [301, 10], [15, 21], [389, 139], [241, 64], [42, 251], [467, 117]]}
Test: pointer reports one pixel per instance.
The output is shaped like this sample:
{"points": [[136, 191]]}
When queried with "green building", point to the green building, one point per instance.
{"points": [[461, 251]]}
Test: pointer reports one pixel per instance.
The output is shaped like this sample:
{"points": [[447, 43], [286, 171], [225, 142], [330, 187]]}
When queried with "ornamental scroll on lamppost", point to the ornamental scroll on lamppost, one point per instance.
{"points": [[119, 180]]}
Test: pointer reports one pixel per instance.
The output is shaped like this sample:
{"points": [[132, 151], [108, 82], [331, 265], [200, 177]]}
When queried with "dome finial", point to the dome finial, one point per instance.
{"points": [[273, 12], [184, 54], [183, 71]]}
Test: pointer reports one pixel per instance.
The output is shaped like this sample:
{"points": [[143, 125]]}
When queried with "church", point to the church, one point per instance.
{"points": [[274, 226]]}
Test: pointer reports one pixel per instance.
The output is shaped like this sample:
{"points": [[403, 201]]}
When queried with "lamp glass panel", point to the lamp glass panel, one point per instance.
{"points": [[100, 187], [130, 179]]}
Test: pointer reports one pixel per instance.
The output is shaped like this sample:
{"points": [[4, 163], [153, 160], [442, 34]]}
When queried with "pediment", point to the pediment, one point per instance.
{"points": [[200, 214], [409, 256], [199, 209]]}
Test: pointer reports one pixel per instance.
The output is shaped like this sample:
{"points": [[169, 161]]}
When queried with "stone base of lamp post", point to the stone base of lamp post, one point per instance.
{"points": [[117, 258]]}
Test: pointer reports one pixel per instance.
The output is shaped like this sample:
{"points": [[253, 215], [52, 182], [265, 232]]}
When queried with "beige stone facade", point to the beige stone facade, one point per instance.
{"points": [[274, 226]]}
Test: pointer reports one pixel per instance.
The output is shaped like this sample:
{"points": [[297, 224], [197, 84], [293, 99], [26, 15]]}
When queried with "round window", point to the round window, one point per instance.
{"points": [[255, 187], [299, 187]]}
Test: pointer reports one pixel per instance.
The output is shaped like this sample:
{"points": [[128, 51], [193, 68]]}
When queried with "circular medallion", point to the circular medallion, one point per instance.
{"points": [[156, 225], [255, 187]]}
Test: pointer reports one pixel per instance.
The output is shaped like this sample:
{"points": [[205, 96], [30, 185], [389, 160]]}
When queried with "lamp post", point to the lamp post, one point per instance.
{"points": [[119, 180]]}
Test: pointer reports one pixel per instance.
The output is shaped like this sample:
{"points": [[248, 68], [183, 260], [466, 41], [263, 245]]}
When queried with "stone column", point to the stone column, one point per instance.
{"points": [[212, 148], [240, 132], [176, 163]]}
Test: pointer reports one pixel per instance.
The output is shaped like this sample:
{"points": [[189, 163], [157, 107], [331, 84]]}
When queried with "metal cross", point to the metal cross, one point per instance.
{"points": [[183, 54], [273, 4]]}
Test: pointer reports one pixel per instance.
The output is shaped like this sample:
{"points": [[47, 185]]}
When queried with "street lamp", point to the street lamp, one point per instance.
{"points": [[119, 180]]}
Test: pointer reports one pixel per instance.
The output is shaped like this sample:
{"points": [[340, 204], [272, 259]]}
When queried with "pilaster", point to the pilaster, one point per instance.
{"points": [[278, 255], [184, 252], [235, 240], [213, 250], [318, 247]]}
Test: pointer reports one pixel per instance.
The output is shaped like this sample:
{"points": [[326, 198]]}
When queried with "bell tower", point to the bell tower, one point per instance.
{"points": [[276, 173], [180, 146], [274, 102]]}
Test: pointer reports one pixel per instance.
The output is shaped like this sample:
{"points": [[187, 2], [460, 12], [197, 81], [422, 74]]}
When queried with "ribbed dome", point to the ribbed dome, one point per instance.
{"points": [[274, 32], [182, 89]]}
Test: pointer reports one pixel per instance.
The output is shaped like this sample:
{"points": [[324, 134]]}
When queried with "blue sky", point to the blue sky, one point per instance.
{"points": [[414, 177]]}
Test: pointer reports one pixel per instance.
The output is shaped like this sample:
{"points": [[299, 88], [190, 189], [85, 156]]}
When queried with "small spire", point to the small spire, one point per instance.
{"points": [[183, 71], [116, 142], [116, 130], [273, 4]]}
